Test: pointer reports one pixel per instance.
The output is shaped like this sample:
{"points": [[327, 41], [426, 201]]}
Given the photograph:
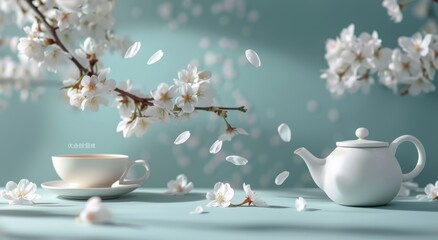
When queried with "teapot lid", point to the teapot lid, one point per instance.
{"points": [[361, 142]]}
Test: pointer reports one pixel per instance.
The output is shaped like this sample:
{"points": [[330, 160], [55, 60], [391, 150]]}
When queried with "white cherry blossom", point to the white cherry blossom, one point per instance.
{"points": [[90, 48], [382, 58], [93, 102], [231, 132], [187, 76], [359, 55], [405, 66], [347, 36], [90, 86], [205, 93], [66, 19], [23, 193], [419, 85], [31, 48], [394, 11], [187, 99], [163, 96], [431, 191], [125, 105], [252, 197], [180, 186], [137, 126], [53, 58], [221, 195], [362, 82], [416, 46], [158, 114], [75, 97], [389, 79]]}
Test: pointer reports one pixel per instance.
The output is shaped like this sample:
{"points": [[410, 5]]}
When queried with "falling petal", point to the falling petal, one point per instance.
{"points": [[237, 160], [155, 57], [133, 50], [197, 210], [216, 147], [284, 132], [281, 177], [182, 138], [253, 58], [300, 204]]}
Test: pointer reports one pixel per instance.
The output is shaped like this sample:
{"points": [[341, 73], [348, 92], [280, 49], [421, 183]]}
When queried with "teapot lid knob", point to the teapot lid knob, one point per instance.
{"points": [[362, 133]]}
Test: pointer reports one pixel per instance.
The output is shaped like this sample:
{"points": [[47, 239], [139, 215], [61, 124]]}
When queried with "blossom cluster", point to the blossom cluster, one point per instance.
{"points": [[354, 61], [72, 20], [191, 89], [46, 48]]}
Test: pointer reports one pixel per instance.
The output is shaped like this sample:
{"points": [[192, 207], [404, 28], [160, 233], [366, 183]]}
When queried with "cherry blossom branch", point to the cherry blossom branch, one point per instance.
{"points": [[81, 68], [140, 102], [56, 39], [148, 101]]}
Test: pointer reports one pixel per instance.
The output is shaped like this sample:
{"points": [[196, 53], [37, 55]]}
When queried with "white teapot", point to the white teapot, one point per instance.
{"points": [[362, 172]]}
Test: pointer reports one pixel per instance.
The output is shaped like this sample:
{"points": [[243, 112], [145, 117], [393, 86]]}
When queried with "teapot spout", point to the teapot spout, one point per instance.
{"points": [[315, 165]]}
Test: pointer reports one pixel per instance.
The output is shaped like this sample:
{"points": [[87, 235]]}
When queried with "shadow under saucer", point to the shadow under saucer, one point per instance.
{"points": [[154, 197]]}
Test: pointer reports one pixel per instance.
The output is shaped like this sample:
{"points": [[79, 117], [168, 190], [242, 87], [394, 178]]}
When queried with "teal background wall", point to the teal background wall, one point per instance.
{"points": [[290, 38]]}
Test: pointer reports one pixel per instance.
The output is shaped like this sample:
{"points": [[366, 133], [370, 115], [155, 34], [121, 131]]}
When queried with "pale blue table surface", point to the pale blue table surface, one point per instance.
{"points": [[149, 214]]}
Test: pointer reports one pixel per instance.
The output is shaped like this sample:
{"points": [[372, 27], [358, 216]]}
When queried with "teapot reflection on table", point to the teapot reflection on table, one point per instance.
{"points": [[362, 172]]}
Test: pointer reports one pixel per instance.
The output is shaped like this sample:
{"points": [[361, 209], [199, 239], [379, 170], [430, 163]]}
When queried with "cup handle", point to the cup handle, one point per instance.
{"points": [[123, 181], [421, 154]]}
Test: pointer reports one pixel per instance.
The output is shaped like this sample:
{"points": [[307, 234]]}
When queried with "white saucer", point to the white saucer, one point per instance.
{"points": [[63, 189]]}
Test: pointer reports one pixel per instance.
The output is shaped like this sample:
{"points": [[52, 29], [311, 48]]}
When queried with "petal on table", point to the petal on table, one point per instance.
{"points": [[300, 204]]}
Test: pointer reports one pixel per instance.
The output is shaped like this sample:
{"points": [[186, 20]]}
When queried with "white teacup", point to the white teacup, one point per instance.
{"points": [[96, 170]]}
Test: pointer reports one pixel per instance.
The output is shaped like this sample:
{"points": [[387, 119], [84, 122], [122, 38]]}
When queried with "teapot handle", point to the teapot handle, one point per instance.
{"points": [[421, 154]]}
